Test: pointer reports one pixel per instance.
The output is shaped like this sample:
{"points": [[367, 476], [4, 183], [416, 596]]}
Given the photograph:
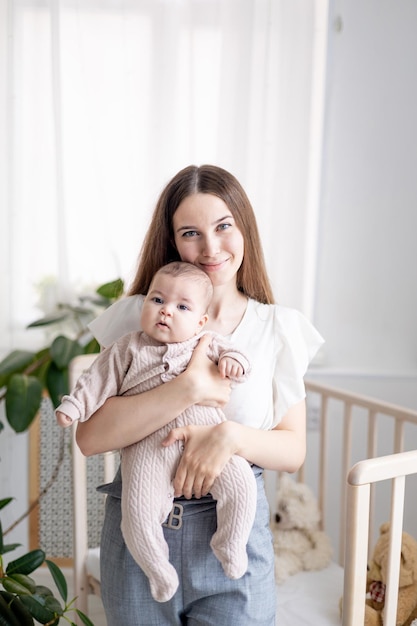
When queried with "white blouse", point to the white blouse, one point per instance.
{"points": [[279, 342]]}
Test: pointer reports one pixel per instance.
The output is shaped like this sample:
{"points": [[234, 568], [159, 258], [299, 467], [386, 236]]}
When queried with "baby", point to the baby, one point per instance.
{"points": [[172, 318]]}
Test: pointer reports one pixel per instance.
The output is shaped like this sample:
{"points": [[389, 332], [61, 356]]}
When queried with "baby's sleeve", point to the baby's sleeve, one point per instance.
{"points": [[101, 381], [221, 348]]}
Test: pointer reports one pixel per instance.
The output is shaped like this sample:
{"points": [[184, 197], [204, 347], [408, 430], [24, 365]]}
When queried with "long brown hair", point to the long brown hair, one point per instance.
{"points": [[159, 249]]}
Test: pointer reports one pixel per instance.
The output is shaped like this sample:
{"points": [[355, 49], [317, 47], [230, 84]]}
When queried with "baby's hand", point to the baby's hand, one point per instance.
{"points": [[62, 419], [230, 368]]}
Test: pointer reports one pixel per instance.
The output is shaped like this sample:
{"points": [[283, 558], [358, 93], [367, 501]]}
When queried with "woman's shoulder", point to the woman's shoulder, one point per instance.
{"points": [[287, 324], [119, 319], [281, 314]]}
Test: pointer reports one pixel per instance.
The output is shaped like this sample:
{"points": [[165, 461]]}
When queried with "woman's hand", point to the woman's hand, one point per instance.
{"points": [[209, 387], [207, 449]]}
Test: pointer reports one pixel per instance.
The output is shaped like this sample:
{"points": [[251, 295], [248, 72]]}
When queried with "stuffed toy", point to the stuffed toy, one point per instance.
{"points": [[376, 579], [299, 543]]}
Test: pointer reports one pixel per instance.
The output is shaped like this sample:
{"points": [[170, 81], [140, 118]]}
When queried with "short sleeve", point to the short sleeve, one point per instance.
{"points": [[119, 319], [299, 343]]}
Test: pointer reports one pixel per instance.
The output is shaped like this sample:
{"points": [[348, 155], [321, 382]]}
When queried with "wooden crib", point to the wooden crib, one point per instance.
{"points": [[360, 458]]}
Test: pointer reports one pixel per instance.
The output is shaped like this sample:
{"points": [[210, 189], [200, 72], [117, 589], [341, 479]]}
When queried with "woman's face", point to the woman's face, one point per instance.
{"points": [[206, 235]]}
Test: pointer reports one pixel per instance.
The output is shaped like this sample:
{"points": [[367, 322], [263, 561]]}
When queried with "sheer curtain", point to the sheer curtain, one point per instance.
{"points": [[102, 101]]}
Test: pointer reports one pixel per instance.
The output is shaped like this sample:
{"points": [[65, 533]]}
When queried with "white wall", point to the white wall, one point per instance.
{"points": [[366, 296], [366, 291]]}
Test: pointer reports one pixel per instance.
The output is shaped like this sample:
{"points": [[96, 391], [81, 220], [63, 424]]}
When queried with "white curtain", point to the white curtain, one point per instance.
{"points": [[102, 101]]}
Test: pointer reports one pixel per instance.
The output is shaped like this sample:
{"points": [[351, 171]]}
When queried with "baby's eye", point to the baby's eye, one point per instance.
{"points": [[157, 300], [183, 307]]}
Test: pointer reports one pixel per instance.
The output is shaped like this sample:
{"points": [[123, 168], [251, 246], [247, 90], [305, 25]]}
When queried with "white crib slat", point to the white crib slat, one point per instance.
{"points": [[346, 464], [399, 436], [80, 525], [397, 509], [322, 499], [356, 556], [79, 471], [109, 461]]}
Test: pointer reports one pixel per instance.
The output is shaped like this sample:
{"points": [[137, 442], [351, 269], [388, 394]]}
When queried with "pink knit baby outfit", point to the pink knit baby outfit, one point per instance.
{"points": [[132, 365]]}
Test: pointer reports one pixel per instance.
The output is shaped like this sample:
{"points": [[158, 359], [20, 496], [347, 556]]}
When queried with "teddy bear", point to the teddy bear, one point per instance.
{"points": [[299, 543], [376, 578]]}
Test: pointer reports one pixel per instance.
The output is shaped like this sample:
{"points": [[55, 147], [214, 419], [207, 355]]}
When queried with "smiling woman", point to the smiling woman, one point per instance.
{"points": [[202, 216]]}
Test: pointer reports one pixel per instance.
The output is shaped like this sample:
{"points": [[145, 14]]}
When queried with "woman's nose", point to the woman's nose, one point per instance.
{"points": [[211, 246]]}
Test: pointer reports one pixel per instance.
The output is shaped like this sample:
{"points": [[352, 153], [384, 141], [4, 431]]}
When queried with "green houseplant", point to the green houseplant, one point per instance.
{"points": [[22, 601], [25, 378]]}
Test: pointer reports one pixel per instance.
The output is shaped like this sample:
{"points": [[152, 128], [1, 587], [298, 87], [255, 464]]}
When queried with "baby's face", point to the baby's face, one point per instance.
{"points": [[173, 310]]}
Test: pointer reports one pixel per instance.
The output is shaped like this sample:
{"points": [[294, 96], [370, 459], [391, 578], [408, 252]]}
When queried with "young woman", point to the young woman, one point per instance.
{"points": [[203, 216]]}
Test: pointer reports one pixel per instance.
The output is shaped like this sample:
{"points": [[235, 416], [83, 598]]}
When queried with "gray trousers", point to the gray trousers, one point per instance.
{"points": [[205, 597]]}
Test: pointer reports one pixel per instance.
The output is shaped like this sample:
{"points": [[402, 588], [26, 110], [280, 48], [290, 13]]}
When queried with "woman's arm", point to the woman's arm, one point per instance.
{"points": [[283, 448], [124, 420], [209, 448]]}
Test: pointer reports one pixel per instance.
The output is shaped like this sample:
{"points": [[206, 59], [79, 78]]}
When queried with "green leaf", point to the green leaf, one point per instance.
{"points": [[41, 364], [27, 563], [9, 547], [59, 579], [92, 347], [63, 350], [25, 580], [13, 363], [13, 586], [84, 618], [7, 618], [54, 318], [112, 290], [4, 502], [14, 609], [57, 383], [36, 605], [53, 605], [81, 310], [43, 591], [23, 398]]}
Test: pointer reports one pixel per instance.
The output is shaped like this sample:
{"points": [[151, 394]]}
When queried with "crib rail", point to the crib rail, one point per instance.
{"points": [[372, 410], [361, 477]]}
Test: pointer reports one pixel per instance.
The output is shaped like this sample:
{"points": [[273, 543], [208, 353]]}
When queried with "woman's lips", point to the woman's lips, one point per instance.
{"points": [[213, 267]]}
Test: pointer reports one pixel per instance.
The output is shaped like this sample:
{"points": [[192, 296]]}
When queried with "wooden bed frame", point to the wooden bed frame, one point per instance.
{"points": [[375, 448]]}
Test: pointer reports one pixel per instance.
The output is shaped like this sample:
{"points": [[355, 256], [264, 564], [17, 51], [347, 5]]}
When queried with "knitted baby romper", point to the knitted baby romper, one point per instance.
{"points": [[147, 473], [134, 364]]}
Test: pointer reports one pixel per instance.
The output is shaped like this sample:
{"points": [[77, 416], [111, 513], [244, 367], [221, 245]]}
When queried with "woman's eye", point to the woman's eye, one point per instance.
{"points": [[224, 226], [190, 233]]}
